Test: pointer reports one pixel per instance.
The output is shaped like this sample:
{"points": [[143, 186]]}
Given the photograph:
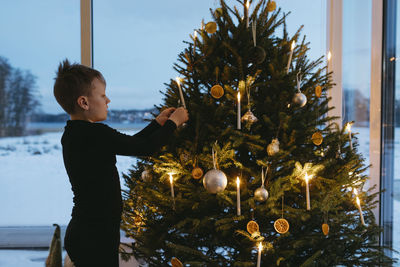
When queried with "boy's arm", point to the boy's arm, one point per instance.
{"points": [[142, 145], [151, 127]]}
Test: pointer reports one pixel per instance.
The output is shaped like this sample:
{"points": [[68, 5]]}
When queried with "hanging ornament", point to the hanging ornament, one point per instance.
{"points": [[248, 117], [273, 148], [271, 6], [257, 52], [215, 180], [325, 228], [281, 225], [299, 98], [197, 173], [317, 138], [254, 231], [217, 91], [146, 176], [252, 227], [176, 263], [318, 91], [261, 194], [211, 27]]}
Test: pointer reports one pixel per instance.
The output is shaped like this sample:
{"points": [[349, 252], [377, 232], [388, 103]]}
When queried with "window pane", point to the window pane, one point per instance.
{"points": [[357, 69], [36, 36]]}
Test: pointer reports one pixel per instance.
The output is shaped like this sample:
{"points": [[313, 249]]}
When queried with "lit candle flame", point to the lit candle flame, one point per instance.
{"points": [[358, 201], [170, 178], [348, 127], [238, 96], [238, 181], [260, 246], [329, 56], [178, 80], [307, 177], [293, 44], [195, 35], [248, 4]]}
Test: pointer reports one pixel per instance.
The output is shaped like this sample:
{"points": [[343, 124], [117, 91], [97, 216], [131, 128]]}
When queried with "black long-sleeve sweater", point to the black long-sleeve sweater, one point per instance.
{"points": [[89, 151]]}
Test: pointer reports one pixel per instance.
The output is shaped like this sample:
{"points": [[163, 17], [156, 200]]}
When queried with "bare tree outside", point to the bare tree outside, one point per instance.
{"points": [[18, 99]]}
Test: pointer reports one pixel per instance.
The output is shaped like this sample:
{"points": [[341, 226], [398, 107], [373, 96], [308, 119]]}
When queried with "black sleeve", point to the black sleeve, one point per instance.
{"points": [[142, 145], [151, 127]]}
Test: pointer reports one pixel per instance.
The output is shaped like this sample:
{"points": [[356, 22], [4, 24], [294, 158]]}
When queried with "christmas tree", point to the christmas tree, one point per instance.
{"points": [[259, 129]]}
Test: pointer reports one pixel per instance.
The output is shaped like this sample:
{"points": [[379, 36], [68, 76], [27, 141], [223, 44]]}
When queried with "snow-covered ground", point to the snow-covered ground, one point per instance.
{"points": [[34, 186], [35, 191]]}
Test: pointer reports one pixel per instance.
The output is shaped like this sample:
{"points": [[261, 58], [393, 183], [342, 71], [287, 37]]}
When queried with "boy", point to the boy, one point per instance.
{"points": [[89, 149]]}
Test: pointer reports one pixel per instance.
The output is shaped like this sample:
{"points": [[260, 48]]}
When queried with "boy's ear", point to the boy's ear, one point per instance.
{"points": [[83, 102]]}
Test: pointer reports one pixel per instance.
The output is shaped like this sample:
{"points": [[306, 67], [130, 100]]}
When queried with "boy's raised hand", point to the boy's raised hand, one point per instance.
{"points": [[164, 115], [179, 116]]}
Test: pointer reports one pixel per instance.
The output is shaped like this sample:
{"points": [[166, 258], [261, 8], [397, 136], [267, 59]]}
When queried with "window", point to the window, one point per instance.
{"points": [[36, 36]]}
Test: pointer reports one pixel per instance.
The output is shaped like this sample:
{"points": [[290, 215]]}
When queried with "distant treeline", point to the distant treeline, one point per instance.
{"points": [[18, 99], [128, 116]]}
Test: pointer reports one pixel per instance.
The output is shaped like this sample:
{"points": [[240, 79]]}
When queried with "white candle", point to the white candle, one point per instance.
{"points": [[178, 81], [359, 207], [290, 56], [307, 177], [238, 196], [260, 247], [172, 190], [247, 13], [348, 128], [238, 112]]}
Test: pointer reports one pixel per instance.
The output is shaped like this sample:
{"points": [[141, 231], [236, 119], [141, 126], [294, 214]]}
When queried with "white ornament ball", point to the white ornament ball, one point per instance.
{"points": [[300, 99], [261, 194], [146, 176], [215, 181], [273, 148]]}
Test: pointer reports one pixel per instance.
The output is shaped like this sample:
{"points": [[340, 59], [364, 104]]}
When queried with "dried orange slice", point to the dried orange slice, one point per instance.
{"points": [[197, 173], [252, 227], [281, 226], [318, 91], [211, 27], [317, 138], [217, 91], [176, 263], [325, 228]]}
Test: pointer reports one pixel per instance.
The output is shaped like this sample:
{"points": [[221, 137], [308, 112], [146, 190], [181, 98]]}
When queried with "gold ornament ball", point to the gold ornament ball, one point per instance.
{"points": [[211, 27], [318, 91], [252, 227], [197, 173], [271, 6], [325, 228], [317, 138], [281, 226], [217, 91], [176, 263]]}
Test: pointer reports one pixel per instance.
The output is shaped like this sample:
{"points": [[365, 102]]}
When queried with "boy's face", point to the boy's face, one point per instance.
{"points": [[98, 102]]}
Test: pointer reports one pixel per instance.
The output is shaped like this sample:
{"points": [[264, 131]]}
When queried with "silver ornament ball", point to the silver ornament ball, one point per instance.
{"points": [[215, 181], [300, 99], [261, 194]]}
